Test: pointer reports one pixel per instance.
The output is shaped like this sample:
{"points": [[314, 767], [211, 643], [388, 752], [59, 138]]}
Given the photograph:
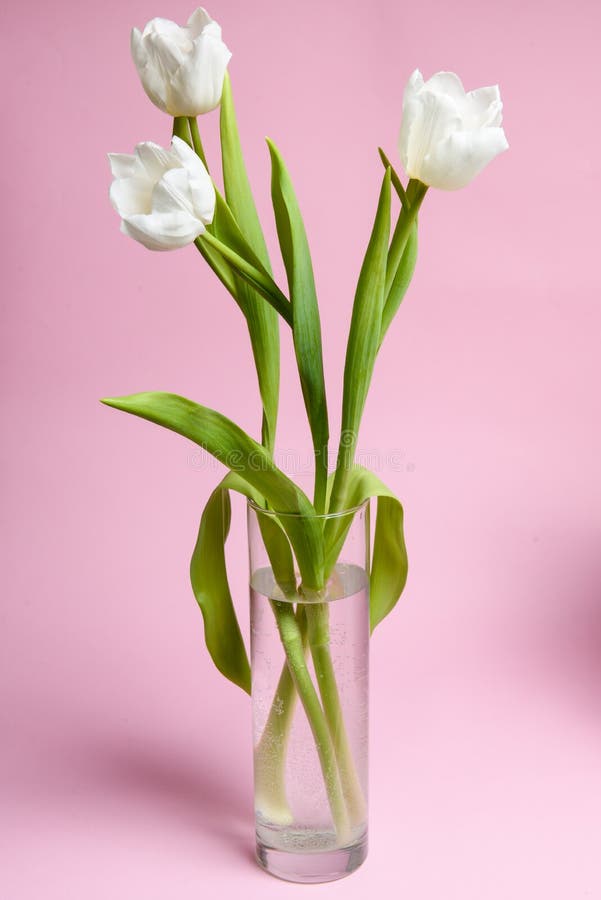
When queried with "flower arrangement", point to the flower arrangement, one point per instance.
{"points": [[167, 199]]}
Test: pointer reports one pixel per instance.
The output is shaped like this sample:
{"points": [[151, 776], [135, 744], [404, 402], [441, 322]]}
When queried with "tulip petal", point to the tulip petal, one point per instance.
{"points": [[446, 83], [168, 51], [123, 165], [172, 193], [485, 106], [201, 20], [412, 89], [200, 185], [138, 50], [163, 231], [428, 119], [159, 25], [198, 83], [455, 161], [154, 159], [413, 86], [186, 156], [131, 195], [150, 74]]}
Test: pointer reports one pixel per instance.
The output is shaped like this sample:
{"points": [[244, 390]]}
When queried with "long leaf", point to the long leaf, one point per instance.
{"points": [[363, 341], [306, 328], [263, 322], [238, 193], [239, 452]]}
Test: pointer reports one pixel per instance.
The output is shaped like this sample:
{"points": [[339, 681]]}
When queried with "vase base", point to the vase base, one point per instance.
{"points": [[311, 868]]}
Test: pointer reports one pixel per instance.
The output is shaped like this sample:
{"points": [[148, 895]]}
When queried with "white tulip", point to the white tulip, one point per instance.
{"points": [[447, 135], [181, 68], [165, 197]]}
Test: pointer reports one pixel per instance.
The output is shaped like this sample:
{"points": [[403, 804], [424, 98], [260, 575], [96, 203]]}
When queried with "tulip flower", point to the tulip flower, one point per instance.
{"points": [[447, 135], [181, 68], [165, 197]]}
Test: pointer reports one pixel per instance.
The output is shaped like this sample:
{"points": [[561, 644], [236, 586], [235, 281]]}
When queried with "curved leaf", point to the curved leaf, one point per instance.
{"points": [[389, 565], [253, 463], [208, 574]]}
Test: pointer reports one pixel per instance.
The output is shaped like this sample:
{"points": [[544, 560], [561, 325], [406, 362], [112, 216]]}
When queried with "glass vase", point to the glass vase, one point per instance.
{"points": [[309, 663]]}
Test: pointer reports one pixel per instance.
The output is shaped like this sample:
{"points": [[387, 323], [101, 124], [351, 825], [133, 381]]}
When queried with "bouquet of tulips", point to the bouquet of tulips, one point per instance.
{"points": [[167, 198]]}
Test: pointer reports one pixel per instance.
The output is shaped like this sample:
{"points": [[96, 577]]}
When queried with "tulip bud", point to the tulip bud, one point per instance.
{"points": [[447, 135], [181, 68], [165, 197]]}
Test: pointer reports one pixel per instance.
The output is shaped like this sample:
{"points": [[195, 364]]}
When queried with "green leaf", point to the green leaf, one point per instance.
{"points": [[389, 564], [208, 574], [263, 323], [367, 316], [258, 279], [363, 340], [223, 271], [279, 553], [238, 192], [226, 228], [227, 252], [394, 177], [306, 327], [262, 320], [402, 253], [253, 463]]}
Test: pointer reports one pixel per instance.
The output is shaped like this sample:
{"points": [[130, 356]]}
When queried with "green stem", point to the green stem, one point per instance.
{"points": [[321, 479], [344, 463], [292, 641], [319, 643], [196, 141], [270, 752], [259, 280], [416, 191], [181, 129]]}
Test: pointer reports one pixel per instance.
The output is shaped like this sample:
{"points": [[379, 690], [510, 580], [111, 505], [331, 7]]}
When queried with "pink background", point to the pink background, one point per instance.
{"points": [[125, 757]]}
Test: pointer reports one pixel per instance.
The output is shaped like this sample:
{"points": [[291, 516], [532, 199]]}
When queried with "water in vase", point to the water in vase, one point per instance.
{"points": [[295, 814]]}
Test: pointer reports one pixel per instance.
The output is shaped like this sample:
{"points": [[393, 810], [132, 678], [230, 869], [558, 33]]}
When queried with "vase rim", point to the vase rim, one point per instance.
{"points": [[298, 515]]}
